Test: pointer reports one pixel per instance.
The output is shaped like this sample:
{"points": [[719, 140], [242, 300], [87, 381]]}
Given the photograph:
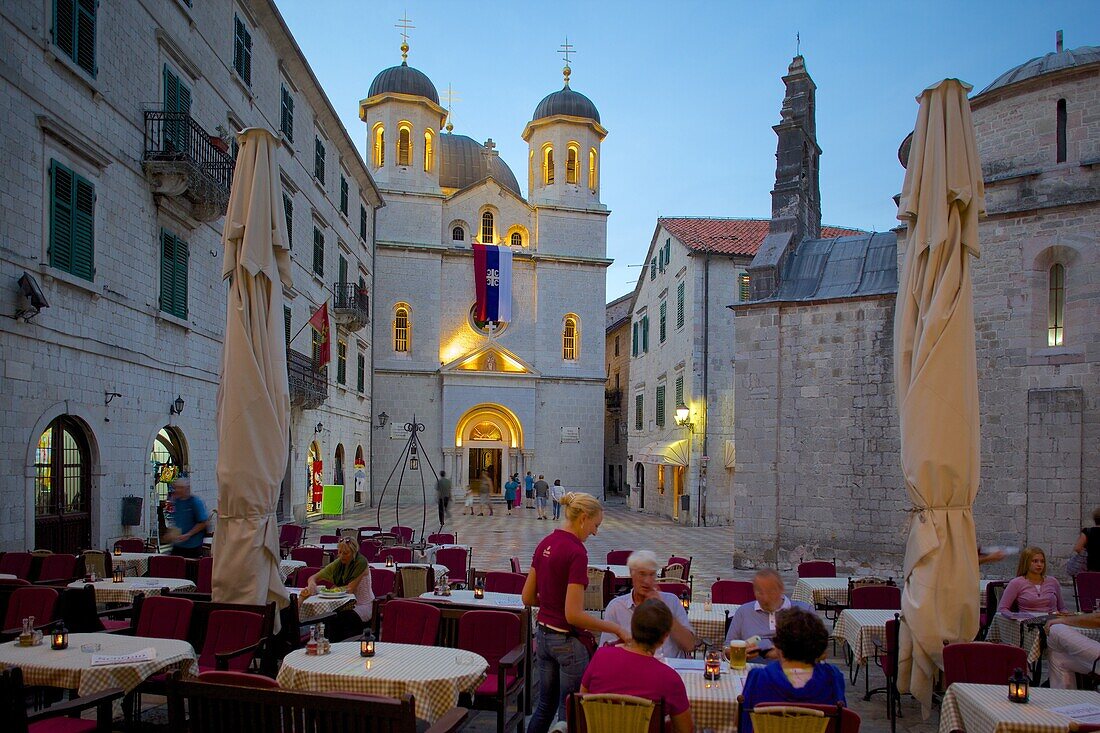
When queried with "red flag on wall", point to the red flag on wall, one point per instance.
{"points": [[319, 322]]}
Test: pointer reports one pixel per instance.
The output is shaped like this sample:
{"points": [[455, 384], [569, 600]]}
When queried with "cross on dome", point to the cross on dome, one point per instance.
{"points": [[405, 25], [566, 50]]}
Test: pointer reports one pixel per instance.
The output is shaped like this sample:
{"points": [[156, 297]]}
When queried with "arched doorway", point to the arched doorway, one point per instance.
{"points": [[314, 478], [62, 487], [360, 475], [488, 438], [169, 461], [338, 466]]}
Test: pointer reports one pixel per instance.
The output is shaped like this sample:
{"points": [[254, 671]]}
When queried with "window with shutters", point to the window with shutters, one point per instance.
{"points": [[659, 415], [343, 270], [72, 222], [680, 305], [429, 150], [288, 211], [487, 228], [177, 103], [173, 274], [668, 251], [360, 373], [318, 252], [639, 416], [402, 329], [634, 339], [286, 323], [378, 138], [362, 222], [343, 195], [547, 165], [341, 362], [663, 319], [319, 160], [744, 291], [572, 163], [645, 334], [74, 31], [653, 269], [404, 143], [286, 115], [315, 349], [1056, 305], [680, 391], [242, 50], [569, 338]]}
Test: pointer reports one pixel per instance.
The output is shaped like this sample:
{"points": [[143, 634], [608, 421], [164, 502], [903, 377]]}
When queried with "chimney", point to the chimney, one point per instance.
{"points": [[1058, 42]]}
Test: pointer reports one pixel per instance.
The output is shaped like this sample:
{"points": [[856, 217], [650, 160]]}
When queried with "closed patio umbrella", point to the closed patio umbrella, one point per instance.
{"points": [[937, 382], [253, 409]]}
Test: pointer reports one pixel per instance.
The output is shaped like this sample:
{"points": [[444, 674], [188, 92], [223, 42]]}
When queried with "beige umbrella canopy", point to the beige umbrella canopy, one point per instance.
{"points": [[937, 382], [253, 411]]}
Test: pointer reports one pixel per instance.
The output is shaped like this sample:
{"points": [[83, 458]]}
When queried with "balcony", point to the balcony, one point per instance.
{"points": [[181, 160], [308, 384], [350, 305], [613, 398]]}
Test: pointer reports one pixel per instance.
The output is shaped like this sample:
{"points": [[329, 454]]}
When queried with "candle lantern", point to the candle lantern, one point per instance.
{"points": [[118, 550], [479, 589], [712, 669], [1018, 687], [60, 638], [118, 575], [366, 644], [685, 600], [389, 561]]}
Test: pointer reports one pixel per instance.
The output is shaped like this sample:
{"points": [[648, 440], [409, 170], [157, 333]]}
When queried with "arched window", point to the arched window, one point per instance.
{"points": [[592, 169], [379, 137], [517, 239], [487, 228], [1056, 309], [572, 163], [639, 476], [458, 235], [62, 484], [404, 144], [402, 329], [338, 466], [429, 150], [569, 339], [548, 165]]}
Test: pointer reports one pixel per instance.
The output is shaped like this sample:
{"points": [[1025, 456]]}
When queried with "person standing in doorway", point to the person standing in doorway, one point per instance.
{"points": [[557, 491], [443, 497], [511, 488], [529, 490], [189, 515], [542, 496]]}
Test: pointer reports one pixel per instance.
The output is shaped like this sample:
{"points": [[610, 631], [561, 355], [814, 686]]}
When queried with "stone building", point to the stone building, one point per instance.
{"points": [[519, 396], [617, 355], [818, 425], [118, 151]]}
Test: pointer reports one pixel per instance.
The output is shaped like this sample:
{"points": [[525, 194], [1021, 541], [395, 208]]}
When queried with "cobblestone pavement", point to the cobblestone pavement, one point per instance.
{"points": [[494, 539]]}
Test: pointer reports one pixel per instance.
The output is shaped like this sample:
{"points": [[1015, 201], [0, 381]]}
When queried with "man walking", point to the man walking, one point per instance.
{"points": [[557, 491], [542, 495], [529, 490], [189, 516], [443, 497]]}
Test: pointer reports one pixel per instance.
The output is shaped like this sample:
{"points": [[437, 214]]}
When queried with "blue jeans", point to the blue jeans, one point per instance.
{"points": [[560, 660], [557, 509]]}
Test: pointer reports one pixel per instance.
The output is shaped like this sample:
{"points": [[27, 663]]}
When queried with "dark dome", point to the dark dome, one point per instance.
{"points": [[465, 162], [403, 79], [566, 102], [1046, 64]]}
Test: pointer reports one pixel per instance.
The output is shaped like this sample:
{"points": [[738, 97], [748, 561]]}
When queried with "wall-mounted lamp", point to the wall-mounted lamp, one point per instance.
{"points": [[383, 418], [682, 417], [36, 300], [176, 407], [317, 430]]}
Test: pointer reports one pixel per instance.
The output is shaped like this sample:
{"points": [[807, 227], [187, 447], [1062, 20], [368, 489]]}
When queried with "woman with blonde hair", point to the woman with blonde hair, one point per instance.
{"points": [[1032, 590], [556, 583]]}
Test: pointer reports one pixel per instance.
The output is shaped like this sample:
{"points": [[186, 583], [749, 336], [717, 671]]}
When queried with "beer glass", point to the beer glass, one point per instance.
{"points": [[735, 652]]}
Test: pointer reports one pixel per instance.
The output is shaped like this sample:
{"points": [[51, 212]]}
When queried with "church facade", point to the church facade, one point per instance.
{"points": [[500, 398]]}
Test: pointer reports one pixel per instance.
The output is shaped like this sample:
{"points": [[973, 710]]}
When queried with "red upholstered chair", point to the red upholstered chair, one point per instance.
{"points": [[981, 662], [167, 566], [455, 559], [675, 588], [496, 636], [841, 719], [26, 601], [399, 554], [514, 563], [301, 577], [370, 549], [57, 567], [238, 679], [732, 591], [329, 539], [162, 617], [77, 609], [410, 622], [368, 530], [314, 556], [1086, 588], [404, 534], [54, 718], [443, 538], [382, 581], [685, 561], [290, 536], [618, 557], [817, 569], [17, 564], [130, 544], [231, 641], [203, 580], [498, 582], [878, 597]]}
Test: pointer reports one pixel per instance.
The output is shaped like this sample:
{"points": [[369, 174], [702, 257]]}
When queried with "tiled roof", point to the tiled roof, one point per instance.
{"points": [[730, 236]]}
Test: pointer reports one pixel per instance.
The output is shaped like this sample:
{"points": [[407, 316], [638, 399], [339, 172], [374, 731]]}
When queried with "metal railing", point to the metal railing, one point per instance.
{"points": [[350, 297], [176, 137], [308, 384]]}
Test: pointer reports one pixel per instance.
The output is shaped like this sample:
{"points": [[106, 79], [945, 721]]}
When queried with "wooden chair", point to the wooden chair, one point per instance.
{"points": [[17, 564], [382, 581], [594, 713], [685, 561], [57, 568], [55, 718], [875, 597], [25, 601], [78, 610], [599, 590], [290, 536], [414, 581], [98, 562], [840, 718], [239, 679], [673, 571]]}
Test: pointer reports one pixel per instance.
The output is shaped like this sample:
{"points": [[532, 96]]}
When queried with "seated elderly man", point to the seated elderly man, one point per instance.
{"points": [[755, 622], [1071, 652], [643, 577]]}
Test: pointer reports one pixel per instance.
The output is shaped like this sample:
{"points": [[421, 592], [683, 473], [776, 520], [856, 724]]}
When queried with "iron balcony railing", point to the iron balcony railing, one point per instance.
{"points": [[352, 298], [308, 384], [176, 137]]}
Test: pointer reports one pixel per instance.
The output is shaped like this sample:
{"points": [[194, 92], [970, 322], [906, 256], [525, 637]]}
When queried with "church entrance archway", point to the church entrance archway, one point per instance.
{"points": [[169, 460], [314, 478], [488, 438], [62, 487]]}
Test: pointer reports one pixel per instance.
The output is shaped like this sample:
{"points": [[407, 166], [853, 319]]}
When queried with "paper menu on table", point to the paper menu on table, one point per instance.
{"points": [[147, 654], [1085, 712]]}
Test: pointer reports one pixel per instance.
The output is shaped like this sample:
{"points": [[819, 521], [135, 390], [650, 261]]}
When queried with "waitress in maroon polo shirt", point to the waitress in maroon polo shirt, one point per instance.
{"points": [[556, 583]]}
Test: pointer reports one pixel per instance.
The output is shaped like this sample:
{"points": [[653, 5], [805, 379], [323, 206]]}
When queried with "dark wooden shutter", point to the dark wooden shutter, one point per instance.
{"points": [[242, 50], [343, 196], [288, 209], [167, 271], [85, 35], [318, 252], [183, 256], [84, 230], [362, 221], [287, 116], [343, 270], [286, 323], [319, 159], [64, 26], [360, 373], [61, 217]]}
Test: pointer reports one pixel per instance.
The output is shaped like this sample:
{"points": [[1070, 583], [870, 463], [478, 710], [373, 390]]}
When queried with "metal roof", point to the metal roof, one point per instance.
{"points": [[841, 267], [566, 102], [466, 162], [403, 79], [1054, 61]]}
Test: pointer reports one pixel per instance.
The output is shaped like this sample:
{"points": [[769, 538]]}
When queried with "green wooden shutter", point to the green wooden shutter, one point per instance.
{"points": [[64, 26], [318, 252], [183, 257], [634, 339], [61, 217], [343, 196], [319, 159], [668, 251], [361, 373], [680, 305], [639, 418], [343, 270], [286, 324], [167, 270], [288, 209], [242, 50], [362, 221], [177, 100], [286, 117], [664, 318], [660, 406], [679, 390], [85, 35], [645, 334], [341, 362], [83, 248]]}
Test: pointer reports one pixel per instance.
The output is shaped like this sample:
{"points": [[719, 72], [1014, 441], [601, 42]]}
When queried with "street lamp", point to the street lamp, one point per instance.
{"points": [[682, 415], [176, 408], [383, 418], [317, 430]]}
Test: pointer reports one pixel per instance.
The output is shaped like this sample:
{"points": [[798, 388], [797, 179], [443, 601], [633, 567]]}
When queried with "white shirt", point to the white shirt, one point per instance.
{"points": [[621, 609], [557, 491]]}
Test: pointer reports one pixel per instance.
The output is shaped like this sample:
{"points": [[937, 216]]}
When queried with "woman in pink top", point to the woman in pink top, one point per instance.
{"points": [[631, 669], [1031, 590], [556, 583]]}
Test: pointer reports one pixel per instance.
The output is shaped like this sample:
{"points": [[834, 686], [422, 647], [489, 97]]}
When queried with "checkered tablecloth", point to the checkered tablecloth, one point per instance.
{"points": [[1015, 631], [132, 563], [714, 703], [710, 625], [860, 629], [435, 676], [71, 668], [438, 569], [108, 591], [286, 567], [320, 605], [986, 709], [821, 590], [502, 601]]}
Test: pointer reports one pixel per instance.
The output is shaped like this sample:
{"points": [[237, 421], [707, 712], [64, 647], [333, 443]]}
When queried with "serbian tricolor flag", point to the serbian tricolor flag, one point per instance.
{"points": [[319, 322], [493, 282]]}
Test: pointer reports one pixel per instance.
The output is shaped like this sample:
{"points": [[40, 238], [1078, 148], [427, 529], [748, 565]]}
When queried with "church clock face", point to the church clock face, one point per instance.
{"points": [[482, 327]]}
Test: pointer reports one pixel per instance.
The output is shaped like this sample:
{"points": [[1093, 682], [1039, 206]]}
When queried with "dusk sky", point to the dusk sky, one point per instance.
{"points": [[689, 90]]}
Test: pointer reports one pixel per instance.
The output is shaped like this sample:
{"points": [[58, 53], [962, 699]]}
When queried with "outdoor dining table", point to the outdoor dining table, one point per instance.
{"points": [[817, 591], [710, 623], [108, 591], [860, 629], [504, 601], [1019, 630], [986, 709], [713, 702], [321, 604], [133, 563], [287, 567], [434, 676], [72, 669]]}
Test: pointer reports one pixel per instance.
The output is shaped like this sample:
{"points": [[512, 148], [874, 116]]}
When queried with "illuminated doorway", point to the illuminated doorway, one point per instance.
{"points": [[169, 461], [314, 479], [62, 487]]}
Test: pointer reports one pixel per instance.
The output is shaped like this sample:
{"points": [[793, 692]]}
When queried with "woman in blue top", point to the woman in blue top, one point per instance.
{"points": [[797, 676], [510, 489]]}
